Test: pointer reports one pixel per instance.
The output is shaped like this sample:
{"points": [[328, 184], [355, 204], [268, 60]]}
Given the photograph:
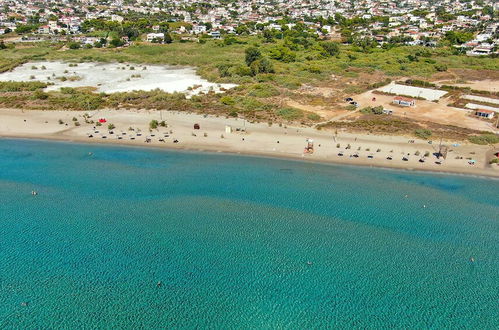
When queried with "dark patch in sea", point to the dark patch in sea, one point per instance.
{"points": [[445, 184]]}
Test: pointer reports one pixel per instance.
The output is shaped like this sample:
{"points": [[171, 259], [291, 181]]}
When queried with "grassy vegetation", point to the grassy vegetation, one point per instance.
{"points": [[484, 139], [21, 86], [395, 126], [281, 67], [422, 133], [309, 64]]}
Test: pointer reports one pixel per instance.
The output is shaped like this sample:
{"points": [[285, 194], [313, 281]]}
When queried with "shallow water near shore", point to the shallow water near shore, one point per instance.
{"points": [[130, 237]]}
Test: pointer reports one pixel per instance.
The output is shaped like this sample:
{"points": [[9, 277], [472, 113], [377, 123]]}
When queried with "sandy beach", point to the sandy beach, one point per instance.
{"points": [[132, 128]]}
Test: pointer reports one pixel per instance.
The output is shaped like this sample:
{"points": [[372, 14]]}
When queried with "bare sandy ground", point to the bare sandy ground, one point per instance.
{"points": [[114, 77], [427, 111], [489, 85], [258, 139]]}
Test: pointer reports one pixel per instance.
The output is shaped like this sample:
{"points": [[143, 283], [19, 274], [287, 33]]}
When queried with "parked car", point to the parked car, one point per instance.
{"points": [[348, 99]]}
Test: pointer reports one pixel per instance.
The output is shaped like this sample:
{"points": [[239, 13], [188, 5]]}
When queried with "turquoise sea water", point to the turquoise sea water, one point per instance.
{"points": [[239, 242]]}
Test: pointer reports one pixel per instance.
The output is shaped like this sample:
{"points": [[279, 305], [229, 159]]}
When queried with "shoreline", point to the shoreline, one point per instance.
{"points": [[471, 173], [257, 139]]}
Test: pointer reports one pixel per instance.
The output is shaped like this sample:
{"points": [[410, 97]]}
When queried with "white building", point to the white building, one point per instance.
{"points": [[197, 29], [155, 36]]}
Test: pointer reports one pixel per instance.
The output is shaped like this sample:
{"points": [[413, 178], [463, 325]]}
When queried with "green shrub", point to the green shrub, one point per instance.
{"points": [[484, 139], [330, 48], [440, 67], [242, 71], [74, 45], [39, 95], [314, 69], [228, 100], [283, 54], [263, 65], [313, 116], [68, 90], [252, 54], [21, 86], [290, 113], [224, 70], [372, 110], [263, 90], [153, 124], [423, 133], [251, 104]]}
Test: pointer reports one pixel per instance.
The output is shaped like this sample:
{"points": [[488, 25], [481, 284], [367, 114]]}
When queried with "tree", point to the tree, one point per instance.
{"points": [[110, 127], [330, 48], [74, 45], [25, 28], [116, 42], [458, 37], [168, 38], [262, 65], [252, 54], [242, 29], [131, 32], [164, 27], [283, 54], [2, 45], [268, 36]]}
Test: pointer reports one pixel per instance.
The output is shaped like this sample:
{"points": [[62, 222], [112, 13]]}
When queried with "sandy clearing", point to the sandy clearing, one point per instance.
{"points": [[113, 77], [427, 111], [488, 85]]}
